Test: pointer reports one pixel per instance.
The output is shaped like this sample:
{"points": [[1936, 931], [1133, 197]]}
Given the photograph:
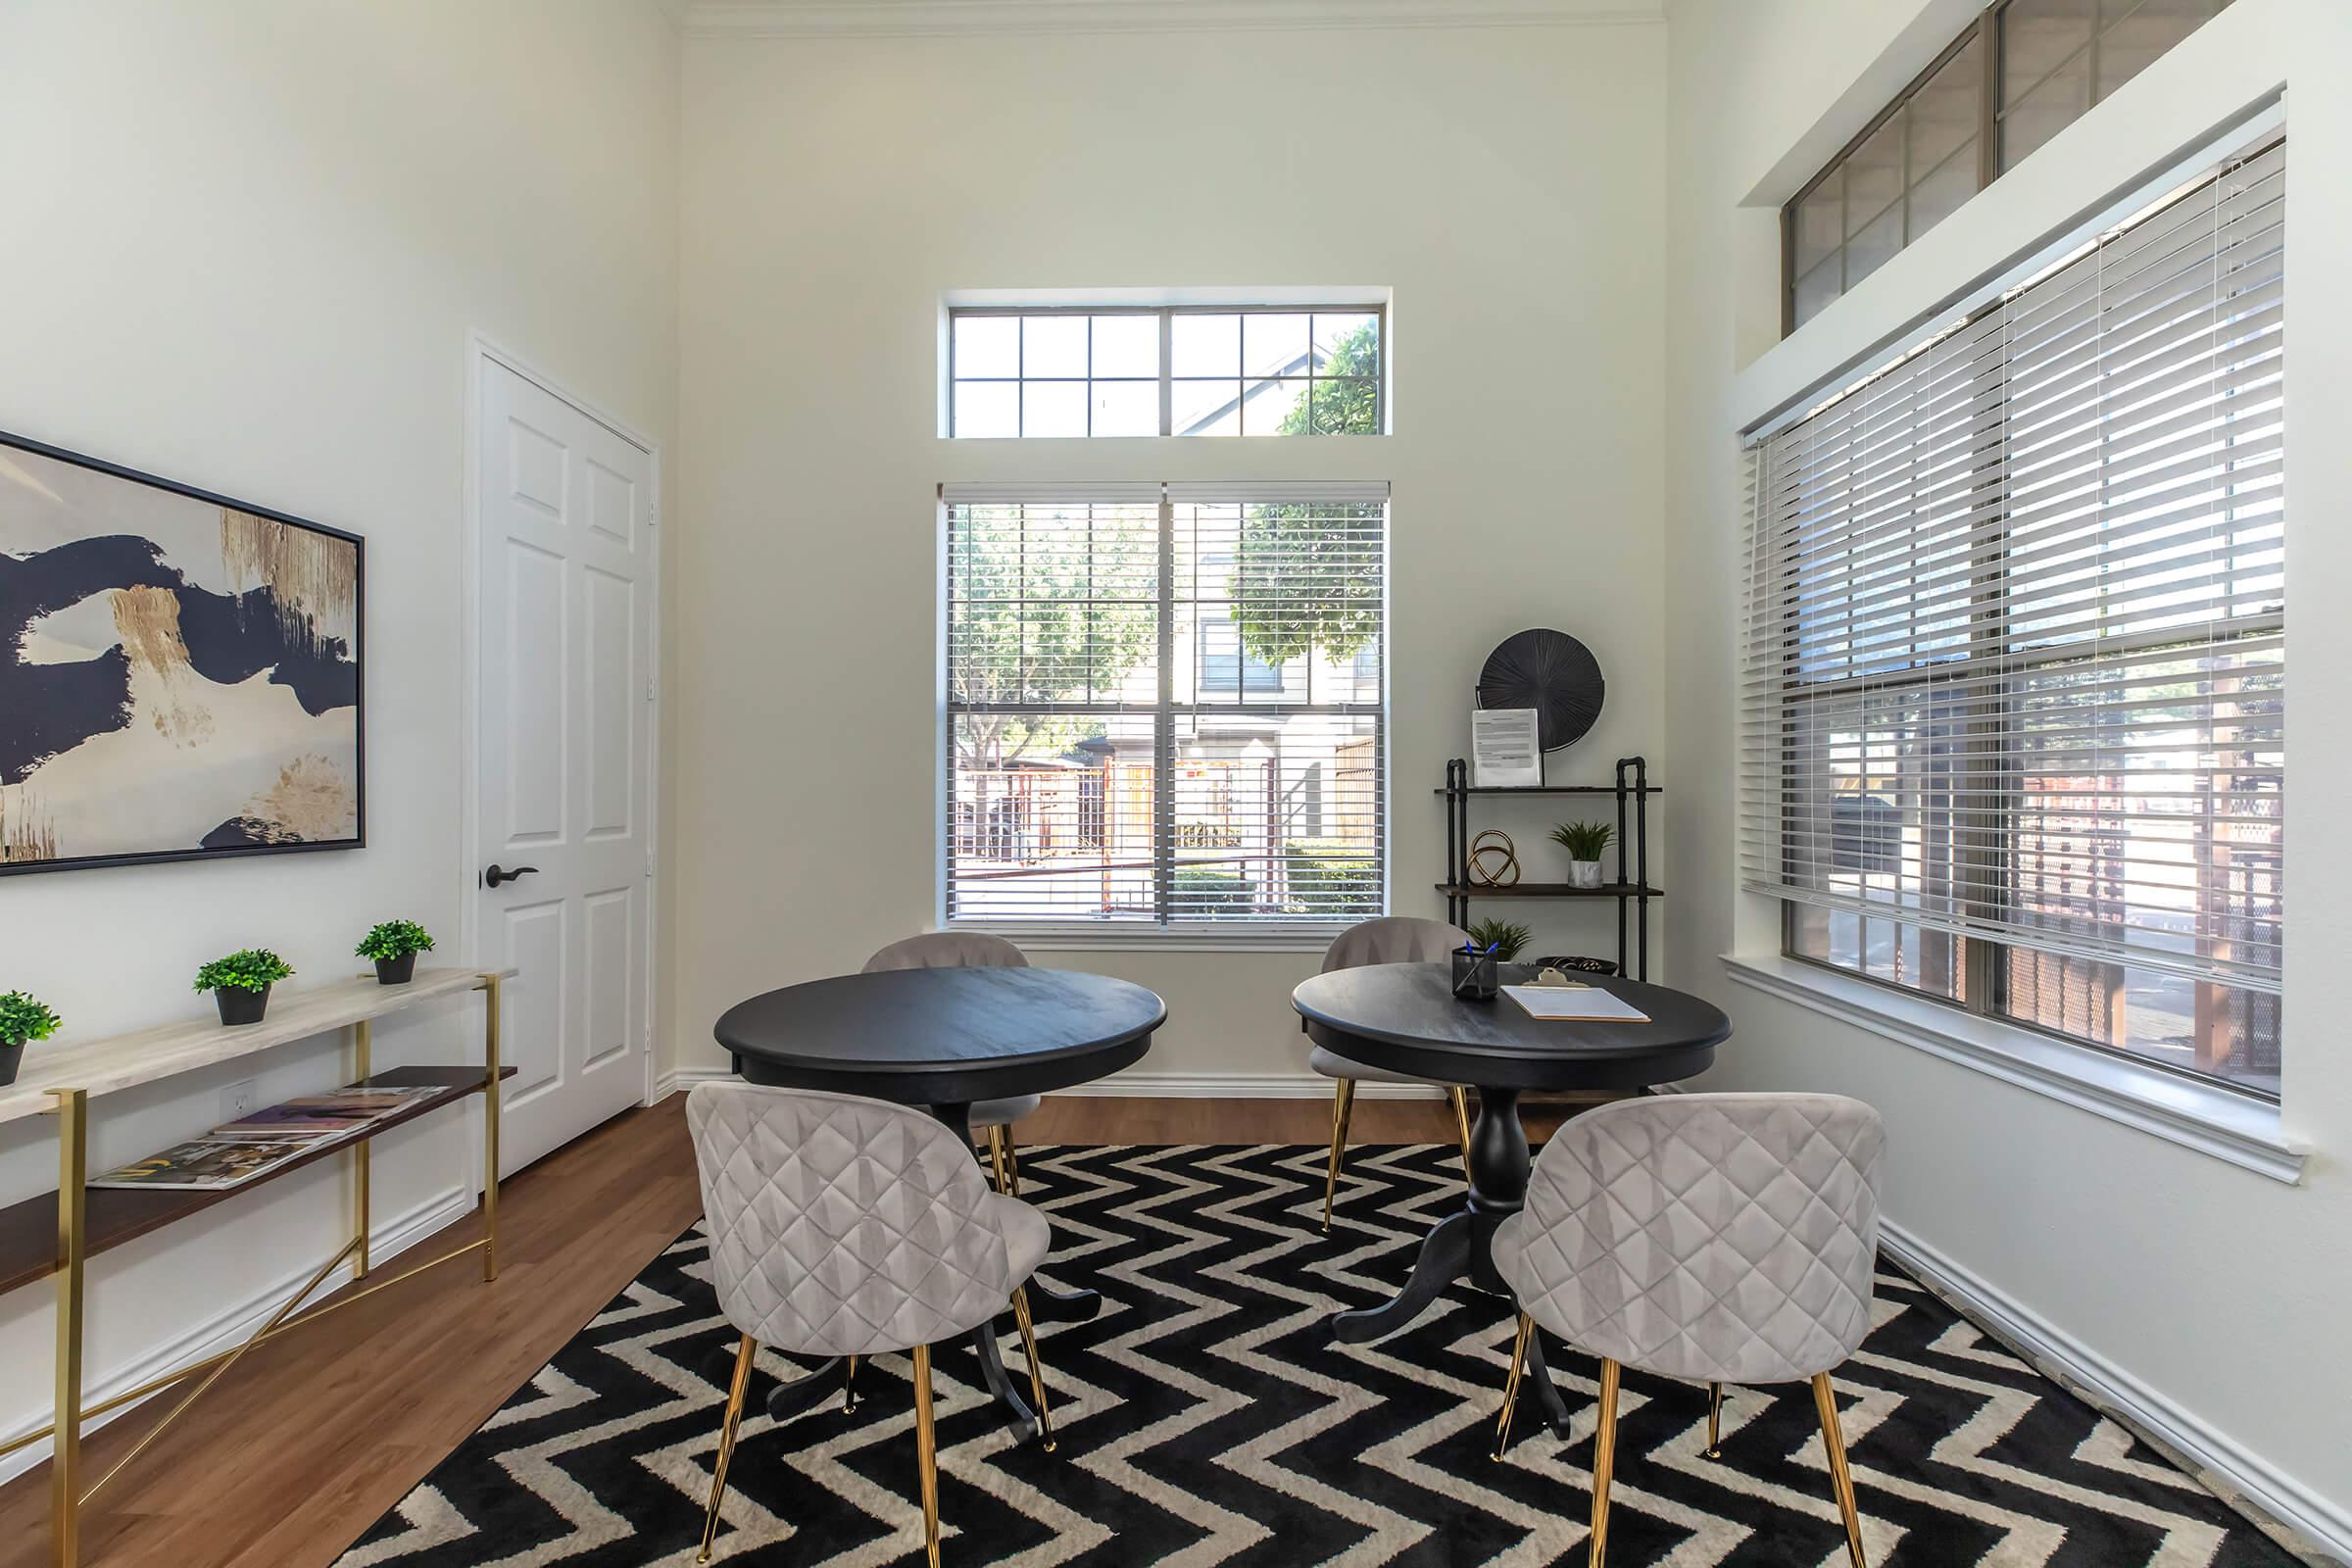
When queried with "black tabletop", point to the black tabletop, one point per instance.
{"points": [[931, 1037], [1403, 1017]]}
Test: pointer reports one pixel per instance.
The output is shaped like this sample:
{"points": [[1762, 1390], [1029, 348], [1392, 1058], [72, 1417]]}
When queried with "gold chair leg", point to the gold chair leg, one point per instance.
{"points": [[995, 1159], [1461, 1118], [1343, 1101], [926, 1450], [744, 1352], [1605, 1460], [1841, 1480], [1037, 1375], [1012, 1164], [1510, 1385], [1714, 1420]]}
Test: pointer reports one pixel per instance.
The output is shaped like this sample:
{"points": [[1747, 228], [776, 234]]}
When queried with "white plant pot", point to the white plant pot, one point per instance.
{"points": [[1583, 874]]}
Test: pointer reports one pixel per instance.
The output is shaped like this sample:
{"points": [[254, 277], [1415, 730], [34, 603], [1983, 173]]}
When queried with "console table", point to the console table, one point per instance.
{"points": [[55, 1235]]}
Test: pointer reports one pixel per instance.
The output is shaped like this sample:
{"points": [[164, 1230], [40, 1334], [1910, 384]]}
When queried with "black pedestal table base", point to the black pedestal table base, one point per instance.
{"points": [[1460, 1246]]}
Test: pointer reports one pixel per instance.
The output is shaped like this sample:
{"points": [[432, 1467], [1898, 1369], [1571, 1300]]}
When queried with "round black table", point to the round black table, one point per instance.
{"points": [[1405, 1017], [943, 1039]]}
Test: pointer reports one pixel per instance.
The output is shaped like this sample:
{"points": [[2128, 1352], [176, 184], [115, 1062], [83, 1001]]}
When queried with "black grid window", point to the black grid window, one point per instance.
{"points": [[2022, 71]]}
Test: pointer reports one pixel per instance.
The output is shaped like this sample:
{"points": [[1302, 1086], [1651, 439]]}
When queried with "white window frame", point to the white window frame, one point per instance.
{"points": [[2202, 1114], [1302, 935], [1166, 314]]}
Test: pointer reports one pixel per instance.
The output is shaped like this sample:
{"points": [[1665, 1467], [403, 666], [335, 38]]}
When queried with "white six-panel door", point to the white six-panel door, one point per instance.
{"points": [[563, 755]]}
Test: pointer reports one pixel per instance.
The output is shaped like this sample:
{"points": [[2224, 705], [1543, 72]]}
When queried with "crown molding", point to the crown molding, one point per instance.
{"points": [[889, 18]]}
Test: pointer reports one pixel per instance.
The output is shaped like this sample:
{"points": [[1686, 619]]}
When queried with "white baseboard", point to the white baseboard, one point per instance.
{"points": [[1154, 1085], [232, 1324], [2230, 1466]]}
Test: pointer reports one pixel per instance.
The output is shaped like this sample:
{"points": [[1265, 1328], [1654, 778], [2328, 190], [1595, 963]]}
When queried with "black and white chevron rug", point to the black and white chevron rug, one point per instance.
{"points": [[1204, 1419]]}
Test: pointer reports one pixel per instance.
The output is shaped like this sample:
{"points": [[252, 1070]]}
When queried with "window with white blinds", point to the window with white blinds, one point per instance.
{"points": [[1165, 706], [2014, 708]]}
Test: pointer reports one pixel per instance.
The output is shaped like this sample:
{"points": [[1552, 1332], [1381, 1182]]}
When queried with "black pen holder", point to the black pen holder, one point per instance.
{"points": [[1474, 977]]}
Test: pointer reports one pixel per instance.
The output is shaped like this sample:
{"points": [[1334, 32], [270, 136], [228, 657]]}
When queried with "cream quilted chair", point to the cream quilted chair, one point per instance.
{"points": [[970, 950], [1393, 939], [1715, 1238], [848, 1227]]}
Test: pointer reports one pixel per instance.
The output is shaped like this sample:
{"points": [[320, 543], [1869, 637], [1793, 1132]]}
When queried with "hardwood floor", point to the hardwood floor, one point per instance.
{"points": [[311, 1438]]}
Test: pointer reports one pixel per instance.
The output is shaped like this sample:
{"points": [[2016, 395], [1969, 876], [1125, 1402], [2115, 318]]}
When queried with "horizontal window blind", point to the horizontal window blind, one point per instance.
{"points": [[2015, 641], [1164, 705]]}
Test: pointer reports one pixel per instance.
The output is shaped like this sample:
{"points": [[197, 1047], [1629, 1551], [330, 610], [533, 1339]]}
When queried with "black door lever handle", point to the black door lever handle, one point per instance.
{"points": [[494, 877]]}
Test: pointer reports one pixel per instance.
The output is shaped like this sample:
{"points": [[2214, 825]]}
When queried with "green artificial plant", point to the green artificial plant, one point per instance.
{"points": [[1584, 841], [249, 969], [1506, 937], [394, 939], [25, 1018]]}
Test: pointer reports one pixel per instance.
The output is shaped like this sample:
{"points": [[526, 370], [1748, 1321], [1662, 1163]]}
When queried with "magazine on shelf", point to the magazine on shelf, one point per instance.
{"points": [[203, 1164], [253, 1146], [310, 1117]]}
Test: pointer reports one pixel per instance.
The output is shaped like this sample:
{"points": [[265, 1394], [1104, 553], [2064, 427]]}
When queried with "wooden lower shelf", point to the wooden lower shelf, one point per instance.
{"points": [[1548, 890], [113, 1216]]}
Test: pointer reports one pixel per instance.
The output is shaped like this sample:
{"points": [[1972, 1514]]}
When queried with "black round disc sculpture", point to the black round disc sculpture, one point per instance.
{"points": [[1551, 672]]}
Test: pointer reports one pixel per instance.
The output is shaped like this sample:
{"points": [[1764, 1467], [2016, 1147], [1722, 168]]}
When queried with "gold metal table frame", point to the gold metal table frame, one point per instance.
{"points": [[68, 1494]]}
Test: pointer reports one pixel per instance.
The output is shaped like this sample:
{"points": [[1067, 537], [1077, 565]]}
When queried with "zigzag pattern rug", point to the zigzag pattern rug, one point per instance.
{"points": [[1205, 1420]]}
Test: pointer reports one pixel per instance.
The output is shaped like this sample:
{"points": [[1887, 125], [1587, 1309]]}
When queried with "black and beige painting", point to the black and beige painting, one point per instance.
{"points": [[177, 676]]}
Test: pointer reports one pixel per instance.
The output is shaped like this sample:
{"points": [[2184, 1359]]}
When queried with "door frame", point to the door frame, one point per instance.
{"points": [[481, 349]]}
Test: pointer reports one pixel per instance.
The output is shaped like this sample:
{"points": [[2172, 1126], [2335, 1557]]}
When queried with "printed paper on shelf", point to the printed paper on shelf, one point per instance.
{"points": [[1502, 748]]}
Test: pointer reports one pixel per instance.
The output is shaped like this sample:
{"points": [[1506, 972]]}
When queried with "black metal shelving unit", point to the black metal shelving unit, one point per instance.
{"points": [[1631, 889]]}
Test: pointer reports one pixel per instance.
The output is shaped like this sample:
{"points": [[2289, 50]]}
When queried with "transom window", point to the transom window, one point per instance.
{"points": [[2023, 72], [1173, 371], [2014, 714], [1165, 706]]}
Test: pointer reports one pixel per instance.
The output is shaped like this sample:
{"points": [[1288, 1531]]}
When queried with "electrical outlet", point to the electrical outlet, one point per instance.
{"points": [[236, 1101]]}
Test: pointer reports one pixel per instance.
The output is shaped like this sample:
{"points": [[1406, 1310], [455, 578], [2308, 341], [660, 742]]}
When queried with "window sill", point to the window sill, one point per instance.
{"points": [[1208, 939], [2213, 1120]]}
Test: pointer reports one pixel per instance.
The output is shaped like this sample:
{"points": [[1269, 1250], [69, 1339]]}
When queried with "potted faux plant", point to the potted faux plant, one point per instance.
{"points": [[1506, 937], [240, 983], [394, 946], [1584, 842], [23, 1019]]}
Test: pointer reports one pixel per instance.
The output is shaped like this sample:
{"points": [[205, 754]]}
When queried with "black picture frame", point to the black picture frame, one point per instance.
{"points": [[358, 839]]}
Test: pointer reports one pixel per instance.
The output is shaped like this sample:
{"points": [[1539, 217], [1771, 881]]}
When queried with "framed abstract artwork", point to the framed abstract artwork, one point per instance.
{"points": [[181, 673]]}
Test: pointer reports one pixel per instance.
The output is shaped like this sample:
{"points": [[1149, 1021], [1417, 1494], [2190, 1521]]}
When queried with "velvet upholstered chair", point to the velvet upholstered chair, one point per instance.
{"points": [[1713, 1238], [1393, 938], [970, 950], [848, 1227]]}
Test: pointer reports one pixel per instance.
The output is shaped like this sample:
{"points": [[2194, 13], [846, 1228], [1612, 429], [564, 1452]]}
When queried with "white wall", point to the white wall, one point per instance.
{"points": [[245, 245], [2211, 1296], [1505, 183]]}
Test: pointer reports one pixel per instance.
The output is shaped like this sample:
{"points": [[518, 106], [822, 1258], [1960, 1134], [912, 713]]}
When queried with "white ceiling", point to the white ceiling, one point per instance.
{"points": [[819, 19]]}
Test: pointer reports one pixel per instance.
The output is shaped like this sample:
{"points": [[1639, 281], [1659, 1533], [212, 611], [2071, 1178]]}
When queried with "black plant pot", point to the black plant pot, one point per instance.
{"points": [[240, 1006], [396, 971], [10, 1057]]}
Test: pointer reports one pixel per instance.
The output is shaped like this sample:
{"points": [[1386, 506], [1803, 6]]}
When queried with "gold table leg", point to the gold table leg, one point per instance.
{"points": [[364, 1044], [65, 1464], [491, 1089]]}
